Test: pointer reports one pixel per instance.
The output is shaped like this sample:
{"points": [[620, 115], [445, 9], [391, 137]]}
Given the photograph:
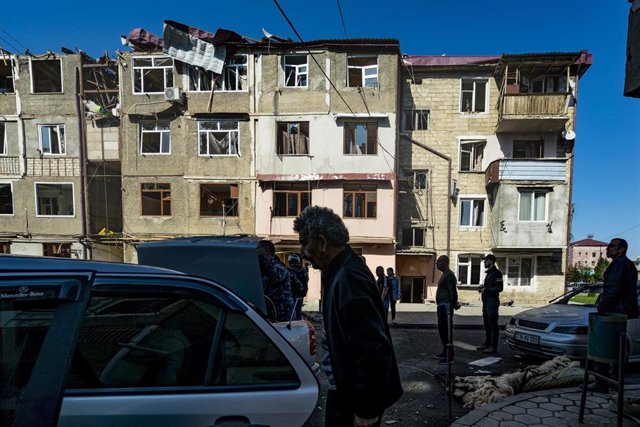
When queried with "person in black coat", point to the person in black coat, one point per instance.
{"points": [[490, 291], [361, 365]]}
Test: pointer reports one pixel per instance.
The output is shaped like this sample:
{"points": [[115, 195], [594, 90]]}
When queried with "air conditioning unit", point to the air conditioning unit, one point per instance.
{"points": [[173, 94]]}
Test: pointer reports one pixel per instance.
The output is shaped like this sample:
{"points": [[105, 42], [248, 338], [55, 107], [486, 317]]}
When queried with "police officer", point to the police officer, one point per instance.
{"points": [[490, 291]]}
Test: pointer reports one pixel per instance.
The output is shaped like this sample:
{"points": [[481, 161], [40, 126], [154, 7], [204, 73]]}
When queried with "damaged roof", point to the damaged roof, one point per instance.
{"points": [[448, 61]]}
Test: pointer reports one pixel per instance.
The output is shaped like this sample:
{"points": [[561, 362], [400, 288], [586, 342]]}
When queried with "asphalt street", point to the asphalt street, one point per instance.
{"points": [[424, 401]]}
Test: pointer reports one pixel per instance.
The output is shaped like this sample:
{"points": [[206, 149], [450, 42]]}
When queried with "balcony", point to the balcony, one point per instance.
{"points": [[533, 112], [9, 165], [547, 170]]}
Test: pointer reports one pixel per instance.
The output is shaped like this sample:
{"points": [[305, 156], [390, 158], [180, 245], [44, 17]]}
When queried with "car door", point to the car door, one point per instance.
{"points": [[180, 352], [40, 315]]}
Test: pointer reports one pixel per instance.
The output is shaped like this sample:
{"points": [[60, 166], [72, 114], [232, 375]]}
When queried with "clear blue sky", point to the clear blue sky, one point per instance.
{"points": [[607, 167]]}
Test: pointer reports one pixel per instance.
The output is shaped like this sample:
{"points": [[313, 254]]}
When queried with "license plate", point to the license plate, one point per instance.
{"points": [[531, 339]]}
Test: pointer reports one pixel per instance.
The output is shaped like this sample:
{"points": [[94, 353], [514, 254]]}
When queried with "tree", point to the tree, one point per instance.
{"points": [[598, 270]]}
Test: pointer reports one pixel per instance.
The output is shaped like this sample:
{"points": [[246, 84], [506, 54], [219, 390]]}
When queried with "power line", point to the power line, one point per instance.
{"points": [[344, 27], [15, 40], [623, 231], [312, 56]]}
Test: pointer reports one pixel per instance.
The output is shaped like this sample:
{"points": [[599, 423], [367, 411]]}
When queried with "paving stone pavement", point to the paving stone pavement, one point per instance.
{"points": [[557, 407]]}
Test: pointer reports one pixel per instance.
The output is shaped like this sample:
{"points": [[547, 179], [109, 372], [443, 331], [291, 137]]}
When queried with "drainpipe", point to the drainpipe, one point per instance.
{"points": [[83, 159], [448, 159]]}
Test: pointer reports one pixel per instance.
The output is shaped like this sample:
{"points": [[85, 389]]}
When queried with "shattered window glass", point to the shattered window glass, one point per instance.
{"points": [[362, 71], [219, 200], [52, 139], [156, 199], [293, 138], [218, 138], [360, 138], [473, 95], [155, 138], [152, 74], [54, 199], [295, 70], [6, 76]]}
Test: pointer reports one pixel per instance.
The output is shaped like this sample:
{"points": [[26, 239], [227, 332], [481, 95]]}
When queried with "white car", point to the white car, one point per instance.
{"points": [[104, 344]]}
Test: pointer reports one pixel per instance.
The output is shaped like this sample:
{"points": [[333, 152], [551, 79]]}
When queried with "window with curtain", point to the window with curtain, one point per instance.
{"points": [[533, 205], [471, 212]]}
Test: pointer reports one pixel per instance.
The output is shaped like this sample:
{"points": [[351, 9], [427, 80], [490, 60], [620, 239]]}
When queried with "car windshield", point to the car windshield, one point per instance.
{"points": [[587, 296]]}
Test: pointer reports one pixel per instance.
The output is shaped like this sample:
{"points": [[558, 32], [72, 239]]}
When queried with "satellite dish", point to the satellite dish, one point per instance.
{"points": [[569, 135]]}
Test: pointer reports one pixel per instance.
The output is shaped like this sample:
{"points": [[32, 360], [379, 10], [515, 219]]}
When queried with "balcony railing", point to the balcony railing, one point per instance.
{"points": [[526, 170], [9, 165], [543, 111]]}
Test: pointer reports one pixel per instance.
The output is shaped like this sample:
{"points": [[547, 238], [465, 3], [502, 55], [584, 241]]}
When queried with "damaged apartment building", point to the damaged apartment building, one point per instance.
{"points": [[241, 138], [486, 165], [47, 149], [197, 133]]}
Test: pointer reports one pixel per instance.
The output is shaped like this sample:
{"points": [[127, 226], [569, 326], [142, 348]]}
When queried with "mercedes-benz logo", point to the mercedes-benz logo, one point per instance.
{"points": [[23, 289]]}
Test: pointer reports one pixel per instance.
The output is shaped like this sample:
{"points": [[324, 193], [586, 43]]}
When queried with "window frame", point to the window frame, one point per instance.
{"points": [[13, 208], [219, 129], [351, 129], [410, 119], [73, 199], [413, 238], [363, 69], [280, 143], [4, 149], [538, 146], [221, 81], [471, 257], [508, 266], [61, 131], [351, 189], [166, 69], [12, 87], [473, 96], [162, 199], [158, 131], [296, 71], [32, 81], [294, 188], [475, 143], [532, 211], [473, 199], [235, 207]]}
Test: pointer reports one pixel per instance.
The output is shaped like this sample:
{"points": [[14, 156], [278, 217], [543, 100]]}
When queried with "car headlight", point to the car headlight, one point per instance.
{"points": [[571, 330]]}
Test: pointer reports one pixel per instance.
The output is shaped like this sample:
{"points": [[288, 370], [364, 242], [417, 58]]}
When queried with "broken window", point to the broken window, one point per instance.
{"points": [[293, 138], [289, 199], [62, 250], [155, 138], [46, 75], [520, 271], [152, 74], [362, 71], [219, 200], [469, 269], [232, 79], [528, 149], [6, 76], [3, 139], [54, 199], [6, 198], [471, 212], [533, 205], [416, 179], [218, 138], [360, 138], [473, 95], [412, 236], [544, 84], [416, 120], [296, 70], [52, 139], [156, 199], [471, 153], [360, 201]]}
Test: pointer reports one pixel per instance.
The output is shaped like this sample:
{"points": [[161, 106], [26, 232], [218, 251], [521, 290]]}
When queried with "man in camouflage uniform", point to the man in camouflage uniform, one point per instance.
{"points": [[275, 281]]}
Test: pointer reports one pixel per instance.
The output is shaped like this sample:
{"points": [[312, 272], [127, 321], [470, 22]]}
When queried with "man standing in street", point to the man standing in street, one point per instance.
{"points": [[394, 291], [360, 363], [300, 285], [619, 295], [447, 301], [276, 282], [490, 291], [383, 286]]}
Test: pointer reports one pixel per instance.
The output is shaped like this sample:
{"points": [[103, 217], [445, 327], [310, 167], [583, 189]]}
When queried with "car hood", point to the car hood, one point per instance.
{"points": [[559, 313]]}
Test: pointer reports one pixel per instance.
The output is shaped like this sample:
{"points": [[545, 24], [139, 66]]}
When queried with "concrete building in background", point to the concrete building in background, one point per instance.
{"points": [[587, 252], [485, 165]]}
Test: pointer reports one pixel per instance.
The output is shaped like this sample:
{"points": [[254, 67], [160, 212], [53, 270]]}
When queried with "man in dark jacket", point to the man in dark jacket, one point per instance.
{"points": [[361, 361], [299, 283], [619, 293], [490, 291], [276, 282], [447, 301]]}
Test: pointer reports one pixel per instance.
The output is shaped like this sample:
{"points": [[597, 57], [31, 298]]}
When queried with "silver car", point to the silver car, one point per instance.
{"points": [[561, 328], [105, 344]]}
